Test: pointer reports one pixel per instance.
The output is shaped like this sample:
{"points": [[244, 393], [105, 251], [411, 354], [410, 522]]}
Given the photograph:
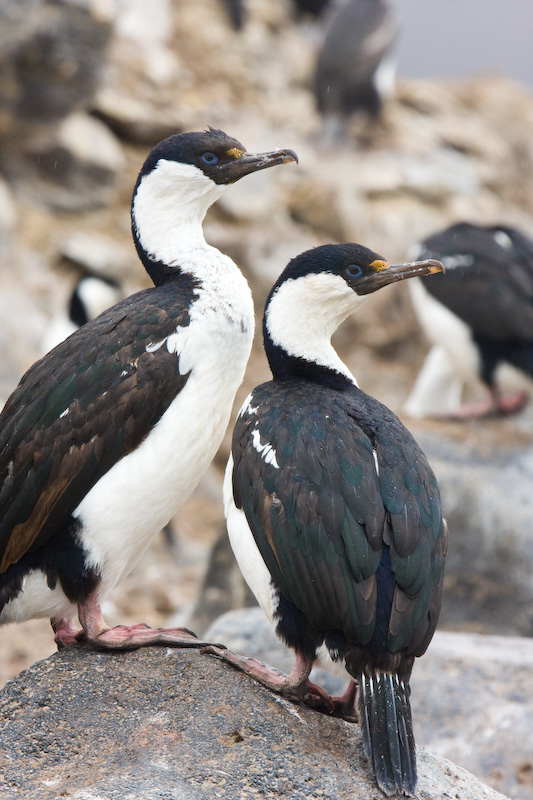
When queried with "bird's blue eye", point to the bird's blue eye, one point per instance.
{"points": [[354, 271], [209, 158]]}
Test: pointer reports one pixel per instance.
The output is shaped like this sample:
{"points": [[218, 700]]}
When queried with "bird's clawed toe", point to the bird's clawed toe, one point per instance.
{"points": [[130, 637]]}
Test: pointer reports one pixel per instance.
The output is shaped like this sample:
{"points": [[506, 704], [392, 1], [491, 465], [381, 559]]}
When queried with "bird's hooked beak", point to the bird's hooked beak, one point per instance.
{"points": [[384, 273], [244, 163]]}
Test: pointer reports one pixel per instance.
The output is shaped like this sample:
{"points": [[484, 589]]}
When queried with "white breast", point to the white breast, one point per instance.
{"points": [[139, 495]]}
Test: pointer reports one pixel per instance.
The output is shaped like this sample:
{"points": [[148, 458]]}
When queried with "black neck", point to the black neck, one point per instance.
{"points": [[286, 367]]}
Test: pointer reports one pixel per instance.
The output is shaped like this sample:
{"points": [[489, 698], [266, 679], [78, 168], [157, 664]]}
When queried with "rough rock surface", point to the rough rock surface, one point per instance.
{"points": [[472, 695], [485, 473], [51, 60], [180, 725]]}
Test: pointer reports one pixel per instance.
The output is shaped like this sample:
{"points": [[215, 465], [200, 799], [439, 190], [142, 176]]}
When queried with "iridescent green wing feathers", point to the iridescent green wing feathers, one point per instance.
{"points": [[305, 475], [79, 410]]}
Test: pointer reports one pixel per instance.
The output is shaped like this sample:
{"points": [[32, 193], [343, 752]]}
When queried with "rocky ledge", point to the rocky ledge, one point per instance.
{"points": [[171, 724]]}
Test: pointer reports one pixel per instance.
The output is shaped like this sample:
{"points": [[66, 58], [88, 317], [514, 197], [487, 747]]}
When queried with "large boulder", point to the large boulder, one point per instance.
{"points": [[181, 725], [472, 695], [485, 472]]}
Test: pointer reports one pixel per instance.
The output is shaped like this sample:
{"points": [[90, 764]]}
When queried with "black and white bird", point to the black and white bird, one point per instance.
{"points": [[355, 68], [107, 435], [91, 295], [333, 511], [479, 318], [237, 14]]}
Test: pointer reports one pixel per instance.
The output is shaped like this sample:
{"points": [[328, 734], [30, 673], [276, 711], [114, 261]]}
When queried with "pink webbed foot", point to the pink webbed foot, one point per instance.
{"points": [[511, 403], [295, 687], [66, 633], [344, 705], [494, 405], [129, 637]]}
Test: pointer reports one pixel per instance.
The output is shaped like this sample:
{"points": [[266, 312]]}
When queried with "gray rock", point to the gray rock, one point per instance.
{"points": [[135, 119], [72, 168], [223, 589], [485, 473], [472, 695], [98, 254], [473, 703], [8, 216], [50, 61], [180, 725]]}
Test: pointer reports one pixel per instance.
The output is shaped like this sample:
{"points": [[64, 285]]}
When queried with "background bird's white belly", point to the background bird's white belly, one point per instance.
{"points": [[443, 327]]}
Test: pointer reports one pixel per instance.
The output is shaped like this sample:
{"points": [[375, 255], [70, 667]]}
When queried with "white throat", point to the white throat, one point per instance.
{"points": [[169, 207], [304, 313]]}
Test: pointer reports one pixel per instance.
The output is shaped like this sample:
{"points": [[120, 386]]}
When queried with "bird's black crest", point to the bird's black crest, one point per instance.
{"points": [[326, 258], [187, 148]]}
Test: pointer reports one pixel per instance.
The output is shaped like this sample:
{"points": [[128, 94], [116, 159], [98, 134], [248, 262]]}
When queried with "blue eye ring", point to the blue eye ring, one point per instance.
{"points": [[354, 271], [209, 158]]}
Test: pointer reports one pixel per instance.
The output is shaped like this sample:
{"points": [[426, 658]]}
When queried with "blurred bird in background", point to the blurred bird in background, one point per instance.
{"points": [[478, 317], [355, 68]]}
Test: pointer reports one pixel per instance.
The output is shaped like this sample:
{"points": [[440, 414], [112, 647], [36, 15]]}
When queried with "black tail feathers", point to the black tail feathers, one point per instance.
{"points": [[387, 728]]}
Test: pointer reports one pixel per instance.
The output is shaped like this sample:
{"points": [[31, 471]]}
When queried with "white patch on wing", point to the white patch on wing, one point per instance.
{"points": [[173, 341], [266, 451], [153, 348], [376, 462], [305, 312], [247, 407], [503, 239]]}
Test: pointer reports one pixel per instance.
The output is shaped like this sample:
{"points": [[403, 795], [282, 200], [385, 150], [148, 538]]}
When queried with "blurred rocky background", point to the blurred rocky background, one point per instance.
{"points": [[87, 87]]}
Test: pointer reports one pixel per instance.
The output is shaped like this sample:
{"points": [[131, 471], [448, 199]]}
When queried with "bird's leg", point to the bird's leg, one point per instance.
{"points": [[295, 686], [129, 637], [66, 632], [493, 405], [509, 403], [344, 705]]}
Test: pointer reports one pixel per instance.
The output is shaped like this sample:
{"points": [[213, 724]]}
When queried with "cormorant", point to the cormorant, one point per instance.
{"points": [[478, 316], [108, 434], [355, 70], [333, 511]]}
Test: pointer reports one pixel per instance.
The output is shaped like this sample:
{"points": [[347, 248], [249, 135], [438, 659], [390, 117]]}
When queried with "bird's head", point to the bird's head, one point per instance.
{"points": [[320, 288], [340, 276], [203, 162], [181, 177]]}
